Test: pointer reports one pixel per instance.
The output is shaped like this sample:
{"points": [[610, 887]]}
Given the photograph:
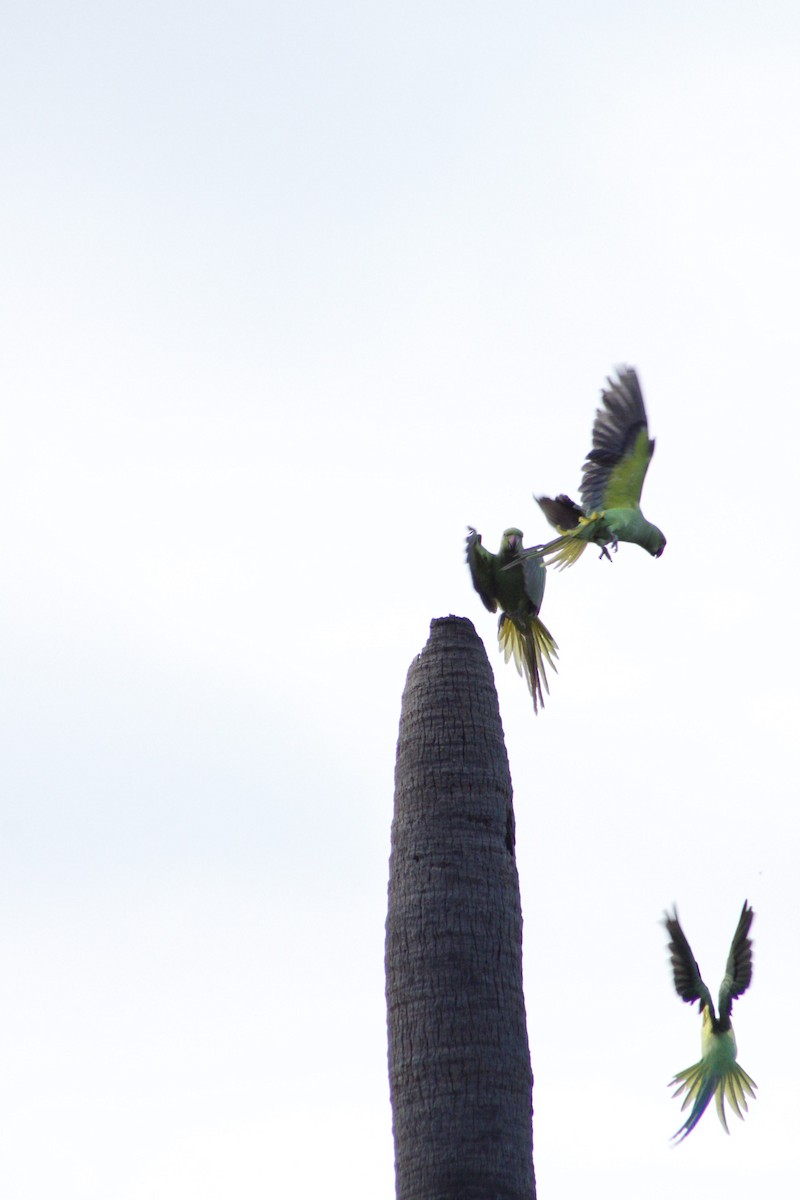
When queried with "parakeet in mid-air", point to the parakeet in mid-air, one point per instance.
{"points": [[518, 591], [718, 1072], [613, 475]]}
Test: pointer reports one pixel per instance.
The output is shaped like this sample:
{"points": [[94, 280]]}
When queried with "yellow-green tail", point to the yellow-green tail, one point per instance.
{"points": [[701, 1083], [732, 1087], [531, 649], [563, 551]]}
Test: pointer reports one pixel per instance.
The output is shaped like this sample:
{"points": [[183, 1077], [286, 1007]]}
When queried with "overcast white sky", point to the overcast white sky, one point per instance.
{"points": [[292, 293]]}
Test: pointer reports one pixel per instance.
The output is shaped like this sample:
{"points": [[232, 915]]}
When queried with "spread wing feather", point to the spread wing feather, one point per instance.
{"points": [[615, 467], [481, 569], [686, 973], [739, 968]]}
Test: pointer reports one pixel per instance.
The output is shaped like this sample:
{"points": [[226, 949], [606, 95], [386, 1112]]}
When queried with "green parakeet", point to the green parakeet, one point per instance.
{"points": [[613, 475], [516, 585], [717, 1073]]}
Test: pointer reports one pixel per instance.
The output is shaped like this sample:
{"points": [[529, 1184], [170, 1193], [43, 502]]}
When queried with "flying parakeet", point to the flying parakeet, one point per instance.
{"points": [[613, 475], [717, 1073], [518, 591]]}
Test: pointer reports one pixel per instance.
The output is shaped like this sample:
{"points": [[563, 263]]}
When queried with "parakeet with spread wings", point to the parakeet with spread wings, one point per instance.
{"points": [[516, 585], [717, 1073], [613, 475]]}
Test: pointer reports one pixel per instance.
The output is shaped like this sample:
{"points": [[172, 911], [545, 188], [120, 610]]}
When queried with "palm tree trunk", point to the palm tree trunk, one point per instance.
{"points": [[459, 1066]]}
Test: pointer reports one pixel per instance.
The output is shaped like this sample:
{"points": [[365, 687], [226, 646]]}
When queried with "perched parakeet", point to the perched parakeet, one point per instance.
{"points": [[718, 1072], [518, 591], [613, 475]]}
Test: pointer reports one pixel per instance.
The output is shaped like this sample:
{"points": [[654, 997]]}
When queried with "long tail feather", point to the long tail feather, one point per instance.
{"points": [[733, 1088], [699, 1089], [563, 551]]}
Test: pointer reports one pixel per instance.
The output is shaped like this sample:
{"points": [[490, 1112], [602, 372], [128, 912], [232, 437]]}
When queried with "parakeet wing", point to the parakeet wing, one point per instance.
{"points": [[686, 973], [562, 513], [481, 567], [534, 573], [615, 467], [739, 968]]}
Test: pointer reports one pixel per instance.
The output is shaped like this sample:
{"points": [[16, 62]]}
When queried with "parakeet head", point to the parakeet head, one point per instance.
{"points": [[512, 540], [655, 542]]}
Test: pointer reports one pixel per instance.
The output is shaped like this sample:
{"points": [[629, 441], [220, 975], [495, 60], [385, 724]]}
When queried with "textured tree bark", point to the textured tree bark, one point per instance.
{"points": [[459, 1065]]}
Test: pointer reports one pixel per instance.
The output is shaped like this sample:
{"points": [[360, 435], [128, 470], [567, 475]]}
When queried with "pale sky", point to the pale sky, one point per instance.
{"points": [[293, 293]]}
